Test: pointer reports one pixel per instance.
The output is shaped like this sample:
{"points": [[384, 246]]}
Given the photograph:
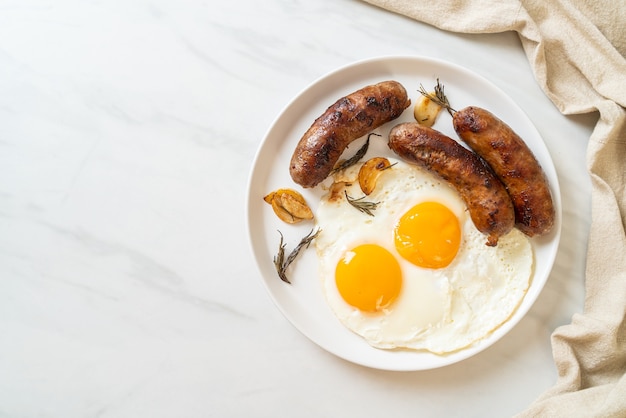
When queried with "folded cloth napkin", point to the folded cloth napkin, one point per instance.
{"points": [[577, 51]]}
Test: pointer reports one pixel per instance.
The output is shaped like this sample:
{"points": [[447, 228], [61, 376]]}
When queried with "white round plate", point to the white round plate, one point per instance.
{"points": [[302, 302]]}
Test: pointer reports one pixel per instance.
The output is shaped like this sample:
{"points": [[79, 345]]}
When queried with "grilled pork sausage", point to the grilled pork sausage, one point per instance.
{"points": [[514, 163], [489, 204], [348, 119]]}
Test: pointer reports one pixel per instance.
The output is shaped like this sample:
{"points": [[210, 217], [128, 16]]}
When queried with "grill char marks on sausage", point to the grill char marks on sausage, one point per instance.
{"points": [[514, 164], [348, 119]]}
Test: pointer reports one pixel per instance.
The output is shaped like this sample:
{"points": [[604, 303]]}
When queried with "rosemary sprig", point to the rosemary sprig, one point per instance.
{"points": [[439, 97], [363, 206], [281, 263], [355, 158]]}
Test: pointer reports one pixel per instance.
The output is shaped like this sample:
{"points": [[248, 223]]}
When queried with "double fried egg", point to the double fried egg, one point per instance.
{"points": [[415, 273]]}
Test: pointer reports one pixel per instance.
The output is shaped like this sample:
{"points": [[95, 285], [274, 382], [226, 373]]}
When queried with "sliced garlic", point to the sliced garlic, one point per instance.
{"points": [[289, 205]]}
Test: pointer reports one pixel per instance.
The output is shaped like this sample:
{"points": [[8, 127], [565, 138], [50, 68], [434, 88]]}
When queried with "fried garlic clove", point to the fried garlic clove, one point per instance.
{"points": [[369, 172], [426, 110], [296, 206], [289, 205]]}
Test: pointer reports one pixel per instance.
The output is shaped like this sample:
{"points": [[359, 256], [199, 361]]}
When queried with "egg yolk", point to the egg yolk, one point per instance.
{"points": [[428, 235], [368, 277]]}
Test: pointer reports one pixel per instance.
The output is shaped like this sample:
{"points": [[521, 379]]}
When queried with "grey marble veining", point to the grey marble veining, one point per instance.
{"points": [[127, 132]]}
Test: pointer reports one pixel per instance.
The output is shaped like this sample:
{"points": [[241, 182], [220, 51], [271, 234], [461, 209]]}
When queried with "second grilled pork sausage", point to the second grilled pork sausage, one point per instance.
{"points": [[487, 200], [348, 119], [514, 163]]}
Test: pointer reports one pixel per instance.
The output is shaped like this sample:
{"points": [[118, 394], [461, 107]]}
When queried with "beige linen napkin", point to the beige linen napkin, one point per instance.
{"points": [[576, 49]]}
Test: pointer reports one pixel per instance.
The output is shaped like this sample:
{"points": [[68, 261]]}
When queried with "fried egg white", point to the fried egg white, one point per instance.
{"points": [[437, 308]]}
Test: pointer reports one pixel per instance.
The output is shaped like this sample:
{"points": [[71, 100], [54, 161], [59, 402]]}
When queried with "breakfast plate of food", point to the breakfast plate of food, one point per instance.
{"points": [[404, 213]]}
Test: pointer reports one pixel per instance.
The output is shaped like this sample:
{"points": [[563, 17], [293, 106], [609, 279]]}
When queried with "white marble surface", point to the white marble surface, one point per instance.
{"points": [[127, 287]]}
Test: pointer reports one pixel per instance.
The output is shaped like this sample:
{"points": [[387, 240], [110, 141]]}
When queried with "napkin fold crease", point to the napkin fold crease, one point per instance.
{"points": [[577, 50]]}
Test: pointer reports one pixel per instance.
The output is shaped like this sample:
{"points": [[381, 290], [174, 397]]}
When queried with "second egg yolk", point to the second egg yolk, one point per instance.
{"points": [[428, 235], [368, 277]]}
